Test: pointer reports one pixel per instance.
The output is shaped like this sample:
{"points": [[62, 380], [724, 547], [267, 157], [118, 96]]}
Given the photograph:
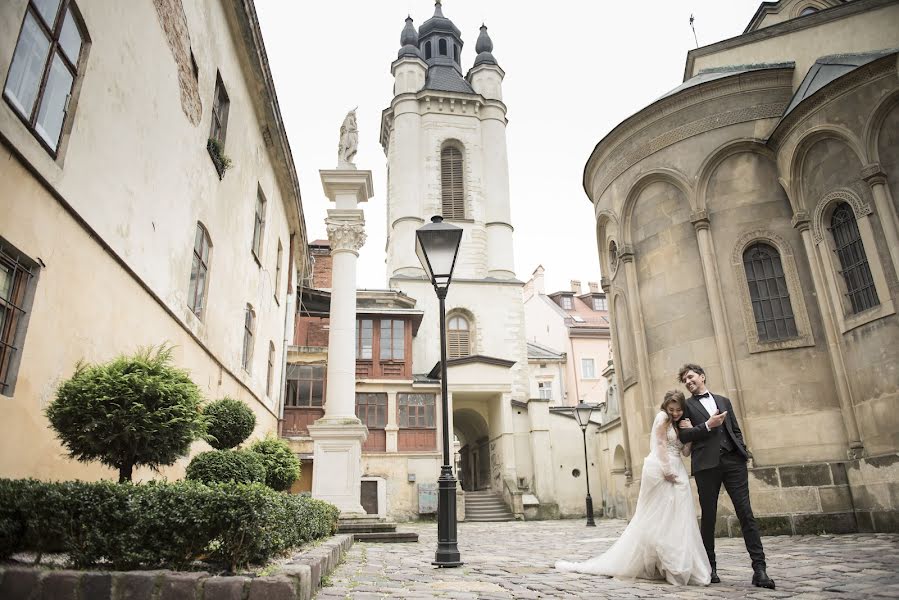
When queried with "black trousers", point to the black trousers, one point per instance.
{"points": [[731, 472]]}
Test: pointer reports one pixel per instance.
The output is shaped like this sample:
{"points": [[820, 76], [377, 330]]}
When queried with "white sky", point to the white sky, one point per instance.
{"points": [[574, 70]]}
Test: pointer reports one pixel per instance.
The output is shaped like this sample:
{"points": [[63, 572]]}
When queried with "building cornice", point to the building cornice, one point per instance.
{"points": [[777, 78], [778, 29]]}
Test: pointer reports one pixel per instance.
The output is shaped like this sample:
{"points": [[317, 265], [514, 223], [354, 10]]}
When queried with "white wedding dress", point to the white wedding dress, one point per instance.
{"points": [[662, 540]]}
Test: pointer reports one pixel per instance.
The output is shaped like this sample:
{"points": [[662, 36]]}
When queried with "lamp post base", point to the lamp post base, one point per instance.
{"points": [[590, 521], [447, 554]]}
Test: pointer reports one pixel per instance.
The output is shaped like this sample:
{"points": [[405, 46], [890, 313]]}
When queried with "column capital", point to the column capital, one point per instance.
{"points": [[700, 219], [626, 253], [345, 235], [873, 174], [605, 284], [801, 221]]}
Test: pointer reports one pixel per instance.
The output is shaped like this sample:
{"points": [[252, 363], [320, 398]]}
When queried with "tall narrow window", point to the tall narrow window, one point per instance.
{"points": [[372, 410], [393, 340], [458, 339], [853, 260], [588, 368], [305, 385], [45, 66], [196, 292], [280, 256], [270, 373], [441, 46], [769, 294], [15, 276], [364, 339], [452, 196], [249, 326], [258, 225], [220, 105], [427, 50]]}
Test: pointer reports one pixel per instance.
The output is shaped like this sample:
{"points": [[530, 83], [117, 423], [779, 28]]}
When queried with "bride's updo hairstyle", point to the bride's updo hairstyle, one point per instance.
{"points": [[672, 396]]}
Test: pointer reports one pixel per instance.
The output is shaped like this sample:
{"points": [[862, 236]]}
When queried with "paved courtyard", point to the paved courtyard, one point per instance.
{"points": [[514, 560]]}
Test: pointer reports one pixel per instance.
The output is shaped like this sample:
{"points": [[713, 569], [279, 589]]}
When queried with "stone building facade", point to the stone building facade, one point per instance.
{"points": [[747, 221], [122, 225]]}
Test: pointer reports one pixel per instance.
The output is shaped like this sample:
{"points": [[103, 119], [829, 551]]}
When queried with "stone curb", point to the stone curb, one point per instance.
{"points": [[298, 579]]}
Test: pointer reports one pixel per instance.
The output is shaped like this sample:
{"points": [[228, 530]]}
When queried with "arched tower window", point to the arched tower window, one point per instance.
{"points": [[768, 292], [809, 10], [456, 52], [441, 47], [458, 337], [452, 197], [427, 50], [853, 260]]}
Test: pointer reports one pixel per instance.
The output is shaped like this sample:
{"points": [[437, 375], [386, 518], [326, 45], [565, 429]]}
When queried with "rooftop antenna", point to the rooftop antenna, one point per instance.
{"points": [[694, 31]]}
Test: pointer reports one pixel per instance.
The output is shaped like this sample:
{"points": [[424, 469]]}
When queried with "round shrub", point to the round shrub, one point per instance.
{"points": [[229, 422], [223, 466], [282, 468]]}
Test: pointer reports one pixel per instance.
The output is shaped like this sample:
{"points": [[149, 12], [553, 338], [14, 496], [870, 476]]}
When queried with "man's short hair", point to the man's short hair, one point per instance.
{"points": [[689, 367]]}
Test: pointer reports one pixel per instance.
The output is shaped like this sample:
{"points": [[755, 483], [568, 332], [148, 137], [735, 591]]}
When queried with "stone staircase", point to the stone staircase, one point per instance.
{"points": [[486, 506], [373, 529]]}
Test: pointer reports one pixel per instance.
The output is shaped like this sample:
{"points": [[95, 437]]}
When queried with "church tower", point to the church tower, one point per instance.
{"points": [[444, 135]]}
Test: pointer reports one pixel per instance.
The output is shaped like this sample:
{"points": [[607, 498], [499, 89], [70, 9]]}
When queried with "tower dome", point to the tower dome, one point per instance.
{"points": [[409, 40], [440, 41], [484, 47]]}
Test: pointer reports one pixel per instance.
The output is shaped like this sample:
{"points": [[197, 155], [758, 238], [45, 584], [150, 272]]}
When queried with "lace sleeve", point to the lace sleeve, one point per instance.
{"points": [[659, 442]]}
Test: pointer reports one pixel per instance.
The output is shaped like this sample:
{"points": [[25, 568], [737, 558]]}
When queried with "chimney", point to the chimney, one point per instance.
{"points": [[537, 278], [575, 286], [594, 287]]}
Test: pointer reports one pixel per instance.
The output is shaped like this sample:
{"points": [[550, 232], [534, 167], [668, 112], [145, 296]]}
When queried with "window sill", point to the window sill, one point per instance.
{"points": [[219, 167], [802, 341], [850, 322]]}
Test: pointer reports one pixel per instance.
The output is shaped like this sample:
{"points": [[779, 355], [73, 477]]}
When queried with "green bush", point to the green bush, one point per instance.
{"points": [[282, 468], [223, 466], [229, 423], [157, 525], [132, 411]]}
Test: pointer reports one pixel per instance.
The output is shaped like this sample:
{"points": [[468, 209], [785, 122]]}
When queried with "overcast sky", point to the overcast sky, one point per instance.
{"points": [[574, 70]]}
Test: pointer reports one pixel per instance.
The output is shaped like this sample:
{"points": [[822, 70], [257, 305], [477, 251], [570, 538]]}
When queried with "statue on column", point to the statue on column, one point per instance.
{"points": [[349, 141]]}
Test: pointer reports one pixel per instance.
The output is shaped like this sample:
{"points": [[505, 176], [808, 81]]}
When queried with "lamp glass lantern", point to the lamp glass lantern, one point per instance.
{"points": [[437, 246]]}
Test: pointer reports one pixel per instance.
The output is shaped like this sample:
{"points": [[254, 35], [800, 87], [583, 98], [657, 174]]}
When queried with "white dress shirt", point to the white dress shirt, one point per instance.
{"points": [[708, 403]]}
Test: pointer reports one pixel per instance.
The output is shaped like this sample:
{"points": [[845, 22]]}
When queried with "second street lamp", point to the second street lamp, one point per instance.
{"points": [[437, 245], [582, 413]]}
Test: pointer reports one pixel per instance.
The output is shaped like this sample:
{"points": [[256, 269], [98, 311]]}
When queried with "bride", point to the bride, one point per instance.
{"points": [[662, 540]]}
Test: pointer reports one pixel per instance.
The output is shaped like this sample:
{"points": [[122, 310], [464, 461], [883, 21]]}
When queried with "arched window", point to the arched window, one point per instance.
{"points": [[809, 10], [853, 260], [441, 47], [458, 337], [249, 328], [452, 197], [613, 256], [199, 272], [768, 292], [427, 50]]}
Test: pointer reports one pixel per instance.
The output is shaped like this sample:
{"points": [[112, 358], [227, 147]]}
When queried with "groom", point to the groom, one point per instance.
{"points": [[719, 456]]}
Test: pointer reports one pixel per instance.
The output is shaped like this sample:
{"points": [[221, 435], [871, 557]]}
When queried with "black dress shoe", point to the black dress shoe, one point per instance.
{"points": [[760, 579], [715, 578]]}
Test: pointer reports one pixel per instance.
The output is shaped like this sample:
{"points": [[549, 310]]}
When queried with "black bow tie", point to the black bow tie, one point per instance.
{"points": [[701, 396]]}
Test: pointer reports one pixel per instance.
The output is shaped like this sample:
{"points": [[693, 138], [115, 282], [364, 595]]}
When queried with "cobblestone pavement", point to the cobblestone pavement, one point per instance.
{"points": [[514, 560]]}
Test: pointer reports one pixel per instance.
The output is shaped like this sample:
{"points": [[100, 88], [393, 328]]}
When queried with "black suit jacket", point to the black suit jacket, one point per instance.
{"points": [[706, 452]]}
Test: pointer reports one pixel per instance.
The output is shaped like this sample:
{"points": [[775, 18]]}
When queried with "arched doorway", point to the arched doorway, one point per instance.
{"points": [[470, 428]]}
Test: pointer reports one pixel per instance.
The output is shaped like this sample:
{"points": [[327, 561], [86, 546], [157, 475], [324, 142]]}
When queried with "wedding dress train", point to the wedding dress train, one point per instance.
{"points": [[662, 540]]}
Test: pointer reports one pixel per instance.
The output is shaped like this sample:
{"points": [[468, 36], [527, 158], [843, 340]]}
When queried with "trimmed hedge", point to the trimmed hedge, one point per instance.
{"points": [[229, 423], [282, 468], [157, 525], [224, 466]]}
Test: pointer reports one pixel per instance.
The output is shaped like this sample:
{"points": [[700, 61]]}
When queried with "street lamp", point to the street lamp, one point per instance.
{"points": [[582, 414], [437, 245]]}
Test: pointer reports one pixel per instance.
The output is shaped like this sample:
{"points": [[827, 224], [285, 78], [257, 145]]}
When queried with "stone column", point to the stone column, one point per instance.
{"points": [[338, 435], [834, 349], [392, 429], [700, 221], [644, 375], [883, 201], [622, 412]]}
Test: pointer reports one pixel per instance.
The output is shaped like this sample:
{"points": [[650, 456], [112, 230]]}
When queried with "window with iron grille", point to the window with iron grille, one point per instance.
{"points": [[45, 67], [199, 270], [853, 261], [392, 340], [416, 410], [458, 340], [16, 275], [452, 193], [372, 409], [305, 386], [270, 372], [258, 225], [249, 326], [768, 292], [364, 338], [220, 106]]}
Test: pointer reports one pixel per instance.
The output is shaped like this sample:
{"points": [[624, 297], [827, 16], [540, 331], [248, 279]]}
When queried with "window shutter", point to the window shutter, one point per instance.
{"points": [[452, 198]]}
